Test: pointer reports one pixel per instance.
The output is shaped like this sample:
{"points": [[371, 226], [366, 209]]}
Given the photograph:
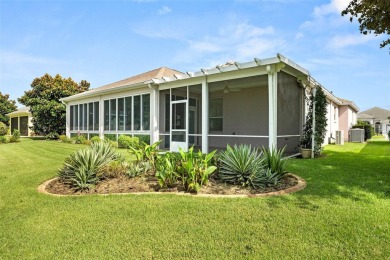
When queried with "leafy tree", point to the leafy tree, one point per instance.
{"points": [[320, 120], [372, 15], [6, 106], [48, 113]]}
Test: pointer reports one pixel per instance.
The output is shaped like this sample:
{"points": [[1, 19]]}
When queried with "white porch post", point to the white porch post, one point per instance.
{"points": [[205, 116], [154, 103], [272, 106], [67, 120], [101, 118]]}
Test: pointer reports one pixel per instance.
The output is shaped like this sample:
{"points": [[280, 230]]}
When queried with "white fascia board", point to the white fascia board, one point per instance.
{"points": [[102, 92]]}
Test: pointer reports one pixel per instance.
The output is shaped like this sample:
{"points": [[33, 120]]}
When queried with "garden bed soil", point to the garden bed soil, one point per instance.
{"points": [[148, 183]]}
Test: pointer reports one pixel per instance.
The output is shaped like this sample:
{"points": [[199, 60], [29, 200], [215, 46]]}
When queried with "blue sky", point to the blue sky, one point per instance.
{"points": [[106, 41]]}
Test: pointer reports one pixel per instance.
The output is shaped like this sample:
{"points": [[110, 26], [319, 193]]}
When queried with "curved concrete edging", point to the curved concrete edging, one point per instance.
{"points": [[299, 186]]}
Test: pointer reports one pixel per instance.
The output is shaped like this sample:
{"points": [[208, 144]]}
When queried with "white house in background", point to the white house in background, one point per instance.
{"points": [[21, 120], [378, 118], [260, 102]]}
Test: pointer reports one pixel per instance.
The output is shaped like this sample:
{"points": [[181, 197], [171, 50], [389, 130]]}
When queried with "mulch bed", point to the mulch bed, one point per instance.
{"points": [[148, 183]]}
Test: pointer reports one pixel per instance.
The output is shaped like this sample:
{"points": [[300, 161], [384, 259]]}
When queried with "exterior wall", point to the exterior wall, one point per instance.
{"points": [[332, 121], [347, 118]]}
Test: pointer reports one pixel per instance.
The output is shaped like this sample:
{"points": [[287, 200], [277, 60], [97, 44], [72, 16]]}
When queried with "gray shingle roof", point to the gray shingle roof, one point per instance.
{"points": [[377, 113]]}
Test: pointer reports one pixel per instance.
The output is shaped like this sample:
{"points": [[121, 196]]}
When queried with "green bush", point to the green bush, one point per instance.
{"points": [[15, 138], [273, 160], [65, 139], [125, 141], [147, 152], [388, 134], [194, 169], [79, 139], [3, 129], [166, 172], [138, 168], [95, 139], [3, 139], [84, 168], [52, 136], [237, 164]]}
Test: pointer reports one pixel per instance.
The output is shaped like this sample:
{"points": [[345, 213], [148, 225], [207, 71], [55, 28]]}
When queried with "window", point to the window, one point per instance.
{"points": [[146, 112], [121, 114], [127, 114], [81, 117], [85, 121], [216, 114], [128, 106], [90, 116], [113, 115], [137, 113], [71, 117], [96, 116], [106, 115], [76, 118]]}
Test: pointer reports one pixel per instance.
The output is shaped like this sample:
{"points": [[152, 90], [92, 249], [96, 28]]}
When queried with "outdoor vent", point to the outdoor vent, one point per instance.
{"points": [[356, 135], [340, 137]]}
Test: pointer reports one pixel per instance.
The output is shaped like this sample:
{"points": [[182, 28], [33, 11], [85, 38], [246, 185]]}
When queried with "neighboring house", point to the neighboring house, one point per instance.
{"points": [[347, 116], [260, 102], [378, 118], [21, 120]]}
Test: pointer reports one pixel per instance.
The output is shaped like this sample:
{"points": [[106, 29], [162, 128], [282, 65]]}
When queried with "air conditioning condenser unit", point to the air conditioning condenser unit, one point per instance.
{"points": [[340, 137]]}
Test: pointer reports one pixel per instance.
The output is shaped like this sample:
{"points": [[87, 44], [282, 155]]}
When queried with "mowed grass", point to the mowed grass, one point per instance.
{"points": [[343, 213]]}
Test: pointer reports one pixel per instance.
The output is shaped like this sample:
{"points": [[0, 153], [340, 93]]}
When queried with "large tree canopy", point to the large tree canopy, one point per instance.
{"points": [[373, 16], [47, 111], [6, 106]]}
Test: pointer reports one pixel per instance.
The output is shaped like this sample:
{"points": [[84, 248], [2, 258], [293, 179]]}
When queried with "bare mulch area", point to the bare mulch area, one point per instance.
{"points": [[148, 183]]}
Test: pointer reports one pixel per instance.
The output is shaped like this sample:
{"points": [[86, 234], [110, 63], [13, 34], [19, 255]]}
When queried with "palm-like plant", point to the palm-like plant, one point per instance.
{"points": [[81, 169], [237, 164]]}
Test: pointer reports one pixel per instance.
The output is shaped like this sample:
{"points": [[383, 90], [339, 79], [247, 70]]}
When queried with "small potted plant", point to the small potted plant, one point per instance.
{"points": [[305, 142]]}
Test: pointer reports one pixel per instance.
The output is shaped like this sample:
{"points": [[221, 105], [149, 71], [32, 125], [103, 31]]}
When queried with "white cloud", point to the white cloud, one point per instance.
{"points": [[342, 41], [335, 6], [164, 10]]}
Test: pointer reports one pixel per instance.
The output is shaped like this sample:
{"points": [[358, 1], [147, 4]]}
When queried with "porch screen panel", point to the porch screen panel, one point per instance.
{"points": [[137, 112], [106, 115], [146, 112], [90, 116], [128, 108], [96, 115], [113, 115], [76, 118], [24, 125], [121, 114], [238, 112], [71, 117], [85, 120], [81, 110], [195, 116], [14, 124]]}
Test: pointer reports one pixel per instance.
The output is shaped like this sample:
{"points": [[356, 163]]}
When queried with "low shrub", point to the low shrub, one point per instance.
{"points": [[52, 136], [15, 138], [273, 160], [95, 139], [194, 169], [79, 139], [125, 141], [388, 134], [138, 168], [147, 152], [65, 139], [3, 129], [115, 169], [3, 139], [238, 164], [166, 172], [83, 168]]}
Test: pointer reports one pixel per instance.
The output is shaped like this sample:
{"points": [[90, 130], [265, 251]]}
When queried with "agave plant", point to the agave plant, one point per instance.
{"points": [[238, 165], [273, 160], [82, 169]]}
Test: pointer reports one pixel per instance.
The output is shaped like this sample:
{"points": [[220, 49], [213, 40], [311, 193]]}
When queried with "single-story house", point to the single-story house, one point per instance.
{"points": [[378, 118], [260, 102], [21, 120]]}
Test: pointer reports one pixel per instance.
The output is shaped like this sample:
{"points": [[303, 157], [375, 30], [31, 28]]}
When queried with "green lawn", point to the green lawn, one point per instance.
{"points": [[343, 213]]}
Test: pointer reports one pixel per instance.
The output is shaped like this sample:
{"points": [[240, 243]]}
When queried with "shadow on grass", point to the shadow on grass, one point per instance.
{"points": [[358, 172]]}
